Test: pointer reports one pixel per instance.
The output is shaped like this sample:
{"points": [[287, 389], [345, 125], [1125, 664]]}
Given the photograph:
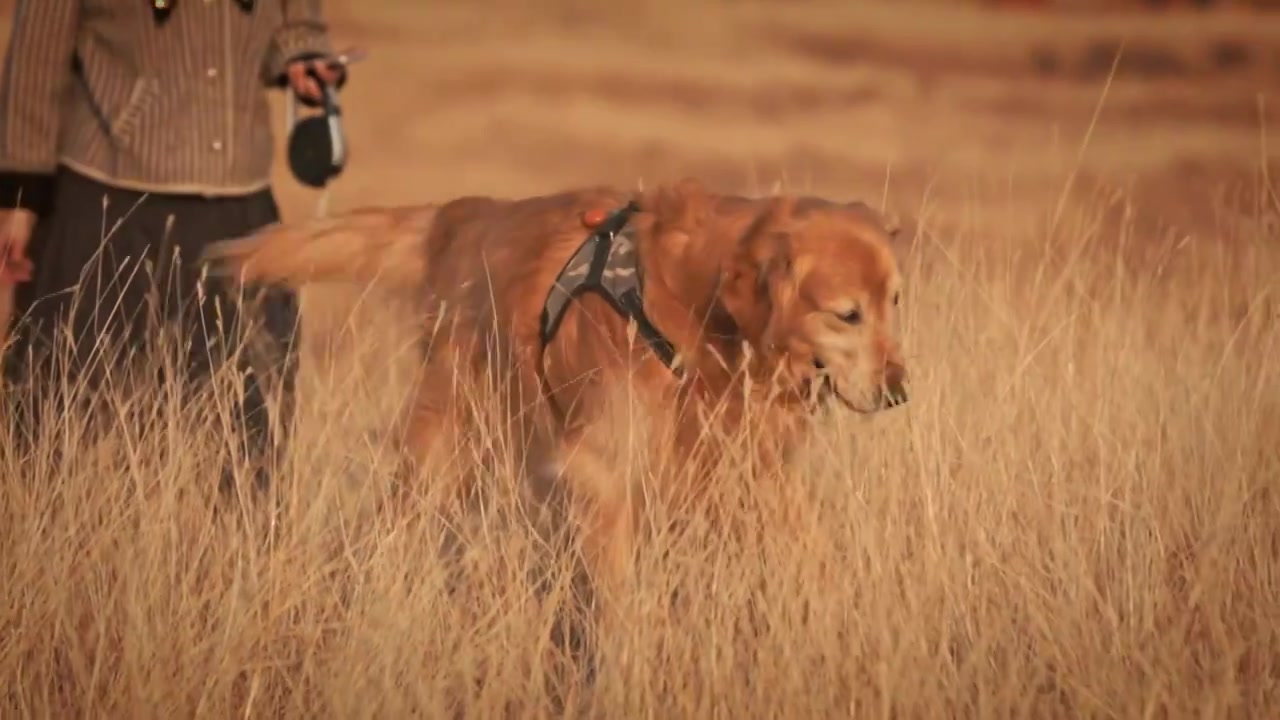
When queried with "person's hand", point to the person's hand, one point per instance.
{"points": [[305, 85], [16, 225]]}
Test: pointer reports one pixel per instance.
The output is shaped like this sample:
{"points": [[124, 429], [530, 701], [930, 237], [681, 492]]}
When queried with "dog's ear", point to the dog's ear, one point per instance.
{"points": [[901, 229], [885, 220], [754, 284]]}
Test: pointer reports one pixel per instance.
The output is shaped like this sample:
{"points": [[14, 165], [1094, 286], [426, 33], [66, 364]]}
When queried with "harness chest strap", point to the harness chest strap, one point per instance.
{"points": [[608, 265]]}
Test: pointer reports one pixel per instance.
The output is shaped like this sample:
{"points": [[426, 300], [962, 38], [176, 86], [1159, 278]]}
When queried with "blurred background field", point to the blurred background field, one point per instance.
{"points": [[497, 96], [923, 105]]}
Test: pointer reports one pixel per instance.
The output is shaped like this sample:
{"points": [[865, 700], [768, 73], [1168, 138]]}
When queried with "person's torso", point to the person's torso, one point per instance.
{"points": [[177, 104]]}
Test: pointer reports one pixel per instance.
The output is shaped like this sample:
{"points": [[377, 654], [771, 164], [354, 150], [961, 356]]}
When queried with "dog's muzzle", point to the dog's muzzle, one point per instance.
{"points": [[891, 394]]}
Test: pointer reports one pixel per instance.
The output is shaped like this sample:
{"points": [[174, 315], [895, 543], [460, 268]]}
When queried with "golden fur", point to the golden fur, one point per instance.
{"points": [[797, 294]]}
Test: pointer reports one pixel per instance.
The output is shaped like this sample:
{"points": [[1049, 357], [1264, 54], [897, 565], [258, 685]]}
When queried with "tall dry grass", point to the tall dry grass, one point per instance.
{"points": [[1075, 516]]}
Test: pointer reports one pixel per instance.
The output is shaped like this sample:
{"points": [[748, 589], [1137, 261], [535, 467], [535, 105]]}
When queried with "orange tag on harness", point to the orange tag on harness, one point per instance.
{"points": [[592, 218]]}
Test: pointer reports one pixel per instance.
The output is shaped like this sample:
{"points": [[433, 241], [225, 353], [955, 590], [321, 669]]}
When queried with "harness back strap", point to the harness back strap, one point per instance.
{"points": [[607, 264]]}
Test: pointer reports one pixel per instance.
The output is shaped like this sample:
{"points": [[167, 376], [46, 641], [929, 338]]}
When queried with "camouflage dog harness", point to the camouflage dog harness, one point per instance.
{"points": [[607, 265]]}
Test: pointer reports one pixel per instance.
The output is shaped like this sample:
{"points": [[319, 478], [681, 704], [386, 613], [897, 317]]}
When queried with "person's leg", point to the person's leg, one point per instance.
{"points": [[220, 318], [276, 357], [281, 324], [100, 252], [279, 359], [88, 283], [265, 321]]}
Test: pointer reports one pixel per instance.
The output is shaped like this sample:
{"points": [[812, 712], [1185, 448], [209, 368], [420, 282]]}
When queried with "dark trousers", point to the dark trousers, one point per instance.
{"points": [[114, 264]]}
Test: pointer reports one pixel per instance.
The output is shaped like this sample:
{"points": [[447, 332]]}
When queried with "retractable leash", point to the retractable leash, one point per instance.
{"points": [[317, 146]]}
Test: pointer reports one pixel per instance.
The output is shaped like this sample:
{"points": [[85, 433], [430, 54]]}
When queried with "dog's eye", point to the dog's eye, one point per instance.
{"points": [[897, 297], [853, 317]]}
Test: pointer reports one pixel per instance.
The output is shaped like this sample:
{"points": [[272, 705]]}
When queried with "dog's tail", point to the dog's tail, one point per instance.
{"points": [[386, 245]]}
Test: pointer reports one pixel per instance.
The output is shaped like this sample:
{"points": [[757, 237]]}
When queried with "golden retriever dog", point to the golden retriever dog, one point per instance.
{"points": [[689, 296]]}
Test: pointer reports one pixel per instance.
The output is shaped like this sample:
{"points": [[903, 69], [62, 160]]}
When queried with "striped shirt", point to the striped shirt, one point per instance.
{"points": [[173, 104]]}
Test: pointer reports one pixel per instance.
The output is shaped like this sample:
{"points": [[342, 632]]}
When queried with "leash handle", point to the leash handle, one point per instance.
{"points": [[342, 60], [348, 57]]}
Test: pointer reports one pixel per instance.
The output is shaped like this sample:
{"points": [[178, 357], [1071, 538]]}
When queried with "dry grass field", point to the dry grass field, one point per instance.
{"points": [[1077, 515]]}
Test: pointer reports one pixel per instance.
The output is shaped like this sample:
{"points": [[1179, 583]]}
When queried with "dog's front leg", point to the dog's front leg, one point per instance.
{"points": [[603, 513]]}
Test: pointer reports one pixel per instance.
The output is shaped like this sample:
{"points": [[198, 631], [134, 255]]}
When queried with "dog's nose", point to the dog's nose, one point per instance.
{"points": [[818, 364]]}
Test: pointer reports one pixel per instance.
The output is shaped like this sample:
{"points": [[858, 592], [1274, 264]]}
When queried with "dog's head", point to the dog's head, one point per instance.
{"points": [[815, 287]]}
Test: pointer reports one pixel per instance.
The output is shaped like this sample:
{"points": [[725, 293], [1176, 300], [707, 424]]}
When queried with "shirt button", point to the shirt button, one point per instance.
{"points": [[211, 73], [216, 145]]}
